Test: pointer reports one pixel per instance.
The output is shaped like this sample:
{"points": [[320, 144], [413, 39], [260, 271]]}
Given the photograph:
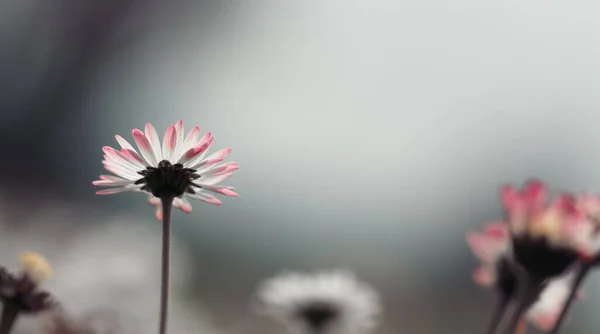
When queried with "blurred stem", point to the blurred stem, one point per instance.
{"points": [[529, 290], [498, 314], [167, 203], [584, 269], [9, 317]]}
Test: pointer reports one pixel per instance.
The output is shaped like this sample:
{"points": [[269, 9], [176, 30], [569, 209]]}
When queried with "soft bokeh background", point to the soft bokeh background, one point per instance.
{"points": [[371, 135]]}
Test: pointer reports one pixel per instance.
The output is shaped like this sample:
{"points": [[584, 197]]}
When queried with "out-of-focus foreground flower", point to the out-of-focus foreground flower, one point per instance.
{"points": [[492, 248], [539, 257], [546, 238], [178, 167], [21, 294], [110, 269], [321, 302]]}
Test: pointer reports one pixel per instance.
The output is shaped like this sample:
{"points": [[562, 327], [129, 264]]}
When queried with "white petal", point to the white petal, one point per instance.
{"points": [[192, 139], [144, 146], [154, 140], [109, 183], [169, 143], [112, 191], [182, 204], [124, 143], [154, 201], [200, 150], [213, 158], [208, 198], [212, 180], [179, 130], [120, 171], [121, 159]]}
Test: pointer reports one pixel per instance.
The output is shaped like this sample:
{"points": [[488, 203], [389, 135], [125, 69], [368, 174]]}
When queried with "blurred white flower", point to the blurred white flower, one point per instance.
{"points": [[108, 269], [321, 302]]}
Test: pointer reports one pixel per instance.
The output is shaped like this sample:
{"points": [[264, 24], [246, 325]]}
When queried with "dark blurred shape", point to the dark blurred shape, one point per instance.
{"points": [[48, 55], [68, 38]]}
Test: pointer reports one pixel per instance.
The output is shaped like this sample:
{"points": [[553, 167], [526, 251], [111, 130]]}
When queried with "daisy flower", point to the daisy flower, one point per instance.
{"points": [[178, 169], [168, 174], [322, 302], [547, 238]]}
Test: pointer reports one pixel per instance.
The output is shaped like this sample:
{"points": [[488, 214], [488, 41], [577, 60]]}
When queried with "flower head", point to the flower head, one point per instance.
{"points": [[322, 302], [22, 291], [179, 168], [546, 237]]}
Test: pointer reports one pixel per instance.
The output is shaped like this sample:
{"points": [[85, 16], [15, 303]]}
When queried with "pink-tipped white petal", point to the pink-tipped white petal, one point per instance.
{"points": [[154, 201], [124, 143], [159, 213], [208, 198], [169, 142], [144, 146], [199, 151], [219, 169], [121, 164], [227, 191], [120, 159], [182, 204], [109, 183], [179, 130], [213, 158], [134, 157], [111, 178], [212, 180], [191, 140], [152, 136], [118, 170], [112, 191]]}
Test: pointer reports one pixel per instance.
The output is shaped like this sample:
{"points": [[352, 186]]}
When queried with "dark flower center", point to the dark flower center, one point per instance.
{"points": [[318, 315], [168, 180], [540, 259]]}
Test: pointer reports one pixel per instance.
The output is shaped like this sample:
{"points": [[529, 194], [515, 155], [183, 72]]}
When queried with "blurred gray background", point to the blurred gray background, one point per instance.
{"points": [[371, 135]]}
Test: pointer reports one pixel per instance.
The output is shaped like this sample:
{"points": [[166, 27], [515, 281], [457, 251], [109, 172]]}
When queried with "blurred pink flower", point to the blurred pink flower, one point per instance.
{"points": [[547, 237], [179, 167], [490, 247]]}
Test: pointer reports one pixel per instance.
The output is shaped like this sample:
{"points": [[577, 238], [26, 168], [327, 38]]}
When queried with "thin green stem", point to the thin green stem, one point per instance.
{"points": [[579, 278], [167, 204]]}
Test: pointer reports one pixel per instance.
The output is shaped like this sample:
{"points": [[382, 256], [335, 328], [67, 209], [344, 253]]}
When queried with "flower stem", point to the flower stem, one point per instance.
{"points": [[167, 203], [529, 291], [584, 269], [498, 315], [9, 317]]}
